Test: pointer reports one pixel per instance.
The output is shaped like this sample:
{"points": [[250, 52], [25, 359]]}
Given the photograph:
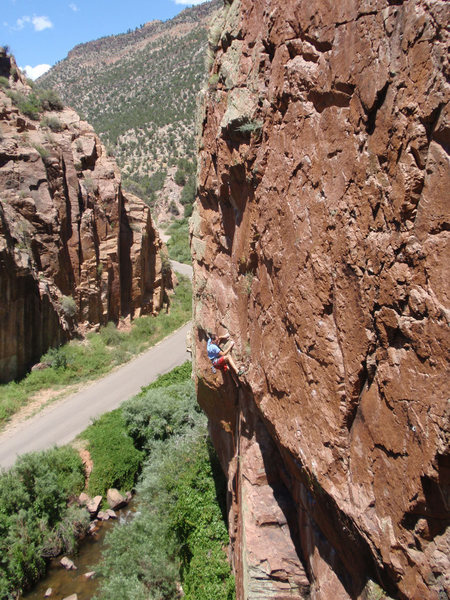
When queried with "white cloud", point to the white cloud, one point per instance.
{"points": [[74, 7], [189, 2], [35, 72], [20, 23], [41, 23]]}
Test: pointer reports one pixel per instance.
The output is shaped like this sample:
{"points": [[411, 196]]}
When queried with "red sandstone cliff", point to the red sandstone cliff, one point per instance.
{"points": [[75, 250], [320, 242]]}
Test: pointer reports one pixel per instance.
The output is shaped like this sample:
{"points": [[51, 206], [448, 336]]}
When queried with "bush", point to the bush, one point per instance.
{"points": [[178, 244], [56, 358], [180, 178], [110, 335], [53, 123], [179, 529], [68, 306], [43, 152], [116, 460], [35, 522], [4, 82], [157, 413], [50, 100]]}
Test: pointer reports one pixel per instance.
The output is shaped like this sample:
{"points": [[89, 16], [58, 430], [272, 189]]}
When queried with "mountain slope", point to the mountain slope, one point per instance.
{"points": [[139, 91]]}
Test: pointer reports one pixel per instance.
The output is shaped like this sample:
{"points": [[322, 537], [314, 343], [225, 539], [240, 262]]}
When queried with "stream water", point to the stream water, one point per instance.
{"points": [[64, 583]]}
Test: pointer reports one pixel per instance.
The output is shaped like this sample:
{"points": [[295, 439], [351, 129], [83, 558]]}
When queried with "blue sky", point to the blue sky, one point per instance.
{"points": [[41, 32]]}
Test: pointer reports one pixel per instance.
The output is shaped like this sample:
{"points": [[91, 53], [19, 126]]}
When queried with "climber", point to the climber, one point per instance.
{"points": [[219, 358]]}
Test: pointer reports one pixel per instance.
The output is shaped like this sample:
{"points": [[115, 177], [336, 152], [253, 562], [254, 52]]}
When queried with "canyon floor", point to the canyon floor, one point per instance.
{"points": [[62, 420]]}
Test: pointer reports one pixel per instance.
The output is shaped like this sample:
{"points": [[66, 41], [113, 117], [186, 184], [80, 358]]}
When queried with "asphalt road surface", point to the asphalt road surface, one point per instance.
{"points": [[62, 421]]}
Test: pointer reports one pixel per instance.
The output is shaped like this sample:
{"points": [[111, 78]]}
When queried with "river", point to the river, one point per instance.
{"points": [[64, 583]]}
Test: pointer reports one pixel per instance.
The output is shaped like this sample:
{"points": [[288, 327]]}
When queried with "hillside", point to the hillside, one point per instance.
{"points": [[139, 92]]}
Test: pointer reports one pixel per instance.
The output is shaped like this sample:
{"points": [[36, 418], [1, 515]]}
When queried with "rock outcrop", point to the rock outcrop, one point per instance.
{"points": [[75, 250], [320, 242]]}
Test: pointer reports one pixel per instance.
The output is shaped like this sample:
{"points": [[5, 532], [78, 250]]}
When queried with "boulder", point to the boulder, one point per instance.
{"points": [[71, 597], [48, 593], [112, 514], [115, 499], [103, 515], [68, 564], [89, 575], [94, 505], [83, 499]]}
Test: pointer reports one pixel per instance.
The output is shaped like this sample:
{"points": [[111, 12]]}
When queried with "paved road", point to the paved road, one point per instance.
{"points": [[62, 421], [182, 268]]}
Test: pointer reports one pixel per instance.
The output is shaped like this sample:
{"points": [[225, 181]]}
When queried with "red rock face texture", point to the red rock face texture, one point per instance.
{"points": [[320, 242], [75, 250]]}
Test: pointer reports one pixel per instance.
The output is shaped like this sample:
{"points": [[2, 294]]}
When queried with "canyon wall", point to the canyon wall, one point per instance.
{"points": [[75, 250], [320, 243]]}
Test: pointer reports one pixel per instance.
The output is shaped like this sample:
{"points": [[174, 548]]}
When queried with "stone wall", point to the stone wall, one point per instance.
{"points": [[320, 242]]}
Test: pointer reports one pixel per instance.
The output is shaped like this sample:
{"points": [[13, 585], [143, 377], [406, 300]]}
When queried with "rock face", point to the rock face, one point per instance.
{"points": [[320, 242], [75, 250]]}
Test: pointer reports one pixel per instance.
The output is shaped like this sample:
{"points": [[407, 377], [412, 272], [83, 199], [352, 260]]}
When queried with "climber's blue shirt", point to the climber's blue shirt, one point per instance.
{"points": [[213, 350]]}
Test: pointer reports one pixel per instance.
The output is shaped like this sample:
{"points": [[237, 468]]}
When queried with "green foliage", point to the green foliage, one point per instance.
{"points": [[181, 374], [110, 335], [158, 413], [200, 531], [52, 123], [81, 361], [178, 244], [179, 531], [4, 82], [35, 521], [251, 127], [180, 177], [50, 99], [116, 460], [43, 152], [56, 358], [68, 306], [35, 102]]}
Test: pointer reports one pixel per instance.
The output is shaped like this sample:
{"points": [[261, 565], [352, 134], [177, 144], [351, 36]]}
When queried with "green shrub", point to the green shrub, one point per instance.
{"points": [[50, 100], [53, 123], [43, 152], [251, 127], [110, 335], [68, 306], [179, 530], [178, 244], [116, 460], [4, 82], [180, 177], [35, 522], [157, 413], [56, 358]]}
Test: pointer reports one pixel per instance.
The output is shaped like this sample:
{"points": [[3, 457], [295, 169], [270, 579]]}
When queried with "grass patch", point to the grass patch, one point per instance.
{"points": [[178, 244], [77, 361]]}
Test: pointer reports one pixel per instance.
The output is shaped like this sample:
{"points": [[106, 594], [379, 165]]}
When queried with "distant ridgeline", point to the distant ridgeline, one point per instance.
{"points": [[139, 92]]}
